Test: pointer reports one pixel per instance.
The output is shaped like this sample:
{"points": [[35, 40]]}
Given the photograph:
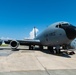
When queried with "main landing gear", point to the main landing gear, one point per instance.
{"points": [[41, 47], [54, 51], [51, 49], [31, 47]]}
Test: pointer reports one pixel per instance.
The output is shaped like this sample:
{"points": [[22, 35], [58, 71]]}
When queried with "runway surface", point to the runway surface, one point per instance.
{"points": [[35, 62]]}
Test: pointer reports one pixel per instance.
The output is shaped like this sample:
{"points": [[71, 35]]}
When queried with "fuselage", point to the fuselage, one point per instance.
{"points": [[57, 34]]}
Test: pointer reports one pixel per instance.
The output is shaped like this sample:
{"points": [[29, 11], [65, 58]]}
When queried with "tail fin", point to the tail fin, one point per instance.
{"points": [[34, 32]]}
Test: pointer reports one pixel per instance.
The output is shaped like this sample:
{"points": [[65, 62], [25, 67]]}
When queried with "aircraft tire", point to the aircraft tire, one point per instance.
{"points": [[51, 49], [41, 47], [30, 47], [57, 51]]}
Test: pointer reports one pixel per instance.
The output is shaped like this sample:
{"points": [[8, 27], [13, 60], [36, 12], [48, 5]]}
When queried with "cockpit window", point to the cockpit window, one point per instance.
{"points": [[58, 26], [65, 24]]}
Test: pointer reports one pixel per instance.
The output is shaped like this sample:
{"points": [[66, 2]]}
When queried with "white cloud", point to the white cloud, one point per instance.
{"points": [[5, 38], [31, 34]]}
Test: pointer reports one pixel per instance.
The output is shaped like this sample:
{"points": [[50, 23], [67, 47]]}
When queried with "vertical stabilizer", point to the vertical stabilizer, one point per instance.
{"points": [[34, 32]]}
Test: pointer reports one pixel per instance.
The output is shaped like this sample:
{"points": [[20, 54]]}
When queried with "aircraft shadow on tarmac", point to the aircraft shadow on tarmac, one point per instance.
{"points": [[62, 54]]}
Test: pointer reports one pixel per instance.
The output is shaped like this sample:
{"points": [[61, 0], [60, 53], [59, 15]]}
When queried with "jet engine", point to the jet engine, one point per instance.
{"points": [[14, 44]]}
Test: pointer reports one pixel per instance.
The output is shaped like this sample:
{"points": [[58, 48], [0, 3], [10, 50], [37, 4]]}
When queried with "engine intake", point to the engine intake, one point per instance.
{"points": [[14, 44]]}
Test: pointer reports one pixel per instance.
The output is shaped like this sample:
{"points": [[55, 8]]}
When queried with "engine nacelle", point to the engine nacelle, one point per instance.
{"points": [[14, 44]]}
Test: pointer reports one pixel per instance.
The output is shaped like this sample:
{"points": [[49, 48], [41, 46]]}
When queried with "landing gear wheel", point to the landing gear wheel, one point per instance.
{"points": [[30, 47], [51, 49], [41, 47], [57, 51]]}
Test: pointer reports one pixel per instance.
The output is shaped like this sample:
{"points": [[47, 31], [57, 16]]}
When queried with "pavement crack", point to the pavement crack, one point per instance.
{"points": [[42, 66]]}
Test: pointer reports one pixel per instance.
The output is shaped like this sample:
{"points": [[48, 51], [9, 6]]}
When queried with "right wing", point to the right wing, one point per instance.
{"points": [[24, 42], [29, 42]]}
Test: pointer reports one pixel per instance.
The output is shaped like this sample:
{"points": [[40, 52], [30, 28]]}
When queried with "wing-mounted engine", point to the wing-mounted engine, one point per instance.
{"points": [[14, 44]]}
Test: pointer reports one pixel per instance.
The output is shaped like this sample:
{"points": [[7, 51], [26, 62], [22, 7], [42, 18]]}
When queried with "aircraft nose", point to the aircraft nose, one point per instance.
{"points": [[71, 32], [75, 31], [75, 28]]}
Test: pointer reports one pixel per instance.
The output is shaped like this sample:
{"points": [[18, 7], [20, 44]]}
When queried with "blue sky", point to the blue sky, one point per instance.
{"points": [[18, 17]]}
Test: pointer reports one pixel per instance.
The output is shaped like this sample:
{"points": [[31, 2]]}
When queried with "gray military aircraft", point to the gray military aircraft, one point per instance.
{"points": [[56, 35]]}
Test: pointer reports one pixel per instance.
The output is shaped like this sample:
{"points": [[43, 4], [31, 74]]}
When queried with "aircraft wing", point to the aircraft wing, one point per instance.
{"points": [[24, 42]]}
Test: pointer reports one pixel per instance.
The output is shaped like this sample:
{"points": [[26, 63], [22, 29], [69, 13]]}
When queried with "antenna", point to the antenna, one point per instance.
{"points": [[34, 32]]}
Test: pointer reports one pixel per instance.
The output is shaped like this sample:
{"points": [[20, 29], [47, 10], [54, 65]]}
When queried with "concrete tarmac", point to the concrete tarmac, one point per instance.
{"points": [[35, 62]]}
